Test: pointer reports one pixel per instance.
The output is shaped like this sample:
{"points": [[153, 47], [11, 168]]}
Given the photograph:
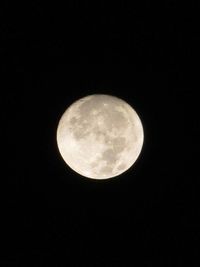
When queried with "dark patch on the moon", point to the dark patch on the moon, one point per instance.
{"points": [[111, 155], [94, 164], [119, 144], [106, 170], [73, 120], [122, 166], [99, 134], [81, 130]]}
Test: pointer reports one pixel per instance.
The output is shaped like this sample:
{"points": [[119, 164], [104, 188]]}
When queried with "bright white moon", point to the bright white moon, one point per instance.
{"points": [[100, 136]]}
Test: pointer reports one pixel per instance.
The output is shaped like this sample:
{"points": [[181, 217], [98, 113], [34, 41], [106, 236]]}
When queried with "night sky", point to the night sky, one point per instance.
{"points": [[53, 54]]}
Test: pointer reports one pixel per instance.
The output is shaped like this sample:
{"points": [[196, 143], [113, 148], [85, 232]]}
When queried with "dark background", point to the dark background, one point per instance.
{"points": [[54, 54]]}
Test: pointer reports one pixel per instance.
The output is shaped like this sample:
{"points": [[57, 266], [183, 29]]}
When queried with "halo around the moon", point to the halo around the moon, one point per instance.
{"points": [[100, 136]]}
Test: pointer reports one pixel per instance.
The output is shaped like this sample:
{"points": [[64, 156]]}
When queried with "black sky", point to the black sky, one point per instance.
{"points": [[53, 54]]}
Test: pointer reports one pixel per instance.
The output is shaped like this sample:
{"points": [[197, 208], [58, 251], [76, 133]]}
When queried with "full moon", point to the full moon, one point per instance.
{"points": [[100, 136]]}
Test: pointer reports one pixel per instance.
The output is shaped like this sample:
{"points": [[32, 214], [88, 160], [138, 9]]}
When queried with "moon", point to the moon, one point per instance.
{"points": [[100, 136]]}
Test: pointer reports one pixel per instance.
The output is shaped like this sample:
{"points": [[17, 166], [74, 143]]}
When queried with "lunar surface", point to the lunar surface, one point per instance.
{"points": [[100, 136]]}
